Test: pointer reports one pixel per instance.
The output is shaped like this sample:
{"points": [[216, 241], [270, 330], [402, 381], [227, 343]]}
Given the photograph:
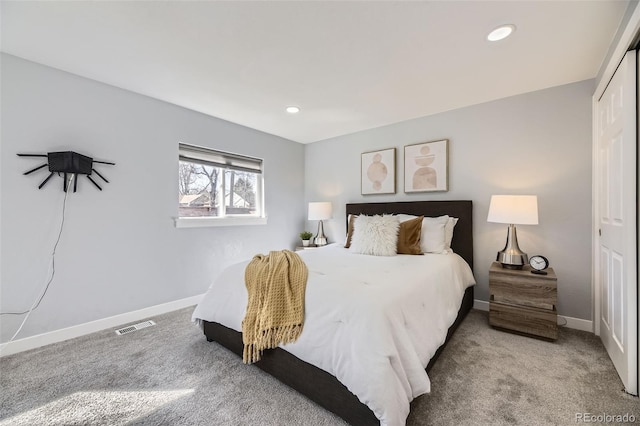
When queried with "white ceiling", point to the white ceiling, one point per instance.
{"points": [[350, 66]]}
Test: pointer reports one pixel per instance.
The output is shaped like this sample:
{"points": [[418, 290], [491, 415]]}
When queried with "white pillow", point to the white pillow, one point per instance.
{"points": [[432, 238], [448, 233], [375, 235]]}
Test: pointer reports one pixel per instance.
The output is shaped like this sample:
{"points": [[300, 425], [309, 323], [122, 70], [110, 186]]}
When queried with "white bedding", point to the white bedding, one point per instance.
{"points": [[373, 322]]}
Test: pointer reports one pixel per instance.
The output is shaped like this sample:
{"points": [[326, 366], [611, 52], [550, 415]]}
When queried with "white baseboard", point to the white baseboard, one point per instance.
{"points": [[480, 305], [39, 340], [575, 323]]}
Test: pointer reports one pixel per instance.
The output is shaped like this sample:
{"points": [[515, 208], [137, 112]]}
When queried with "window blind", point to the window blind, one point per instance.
{"points": [[220, 159]]}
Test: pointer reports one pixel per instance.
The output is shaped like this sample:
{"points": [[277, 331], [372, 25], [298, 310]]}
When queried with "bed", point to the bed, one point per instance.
{"points": [[318, 384]]}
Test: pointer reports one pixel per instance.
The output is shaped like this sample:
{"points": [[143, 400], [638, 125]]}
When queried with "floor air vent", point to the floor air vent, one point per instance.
{"points": [[132, 328]]}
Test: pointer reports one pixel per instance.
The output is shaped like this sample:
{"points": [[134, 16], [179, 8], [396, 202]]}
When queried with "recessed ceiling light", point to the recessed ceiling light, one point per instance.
{"points": [[501, 32], [293, 109]]}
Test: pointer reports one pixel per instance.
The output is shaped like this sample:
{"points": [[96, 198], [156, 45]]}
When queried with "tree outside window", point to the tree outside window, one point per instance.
{"points": [[207, 190]]}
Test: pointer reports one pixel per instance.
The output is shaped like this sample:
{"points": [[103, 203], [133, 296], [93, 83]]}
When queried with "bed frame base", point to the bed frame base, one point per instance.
{"points": [[314, 383]]}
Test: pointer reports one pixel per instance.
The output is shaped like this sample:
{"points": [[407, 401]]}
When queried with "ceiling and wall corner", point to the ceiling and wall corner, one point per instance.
{"points": [[626, 37]]}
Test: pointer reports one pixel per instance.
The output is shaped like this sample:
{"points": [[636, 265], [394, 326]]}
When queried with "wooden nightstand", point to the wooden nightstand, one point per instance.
{"points": [[299, 248], [523, 302]]}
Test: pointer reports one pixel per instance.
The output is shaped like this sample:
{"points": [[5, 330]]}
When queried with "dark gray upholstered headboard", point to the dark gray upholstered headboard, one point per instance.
{"points": [[462, 242]]}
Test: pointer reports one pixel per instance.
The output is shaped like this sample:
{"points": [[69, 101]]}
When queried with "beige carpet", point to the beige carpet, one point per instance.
{"points": [[170, 375]]}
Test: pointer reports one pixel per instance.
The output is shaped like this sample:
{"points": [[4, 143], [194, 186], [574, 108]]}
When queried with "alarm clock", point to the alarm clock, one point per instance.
{"points": [[538, 264]]}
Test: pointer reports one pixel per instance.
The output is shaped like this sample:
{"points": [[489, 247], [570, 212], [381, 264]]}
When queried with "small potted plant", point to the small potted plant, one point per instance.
{"points": [[305, 236]]}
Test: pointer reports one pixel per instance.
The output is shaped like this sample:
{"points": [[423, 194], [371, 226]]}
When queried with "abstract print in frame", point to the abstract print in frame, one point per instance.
{"points": [[426, 166], [378, 172]]}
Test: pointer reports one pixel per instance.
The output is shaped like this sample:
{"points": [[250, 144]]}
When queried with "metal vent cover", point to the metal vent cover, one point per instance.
{"points": [[135, 327]]}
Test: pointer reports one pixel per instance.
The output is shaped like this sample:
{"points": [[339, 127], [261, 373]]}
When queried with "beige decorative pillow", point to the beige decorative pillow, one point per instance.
{"points": [[405, 217], [352, 220], [409, 236]]}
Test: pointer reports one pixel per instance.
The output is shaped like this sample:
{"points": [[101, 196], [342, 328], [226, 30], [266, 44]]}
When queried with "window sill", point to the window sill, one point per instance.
{"points": [[202, 222]]}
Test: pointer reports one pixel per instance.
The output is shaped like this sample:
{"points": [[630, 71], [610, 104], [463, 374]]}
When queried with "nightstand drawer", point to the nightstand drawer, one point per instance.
{"points": [[531, 293], [538, 322]]}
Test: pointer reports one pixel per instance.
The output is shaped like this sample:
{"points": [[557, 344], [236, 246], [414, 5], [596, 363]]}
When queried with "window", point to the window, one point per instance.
{"points": [[220, 185]]}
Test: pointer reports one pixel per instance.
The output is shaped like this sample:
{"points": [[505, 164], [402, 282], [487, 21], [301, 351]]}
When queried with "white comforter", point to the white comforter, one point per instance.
{"points": [[373, 322]]}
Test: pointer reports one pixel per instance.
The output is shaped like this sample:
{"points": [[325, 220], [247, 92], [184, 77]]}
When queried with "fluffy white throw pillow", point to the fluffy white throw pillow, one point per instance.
{"points": [[375, 235]]}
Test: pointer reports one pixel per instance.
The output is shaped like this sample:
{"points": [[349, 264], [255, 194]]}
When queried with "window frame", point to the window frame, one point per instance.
{"points": [[225, 161]]}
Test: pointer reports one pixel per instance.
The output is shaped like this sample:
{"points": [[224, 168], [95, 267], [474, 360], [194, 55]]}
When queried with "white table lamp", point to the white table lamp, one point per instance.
{"points": [[320, 211], [514, 210]]}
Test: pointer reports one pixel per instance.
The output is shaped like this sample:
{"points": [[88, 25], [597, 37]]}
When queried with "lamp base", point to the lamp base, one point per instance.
{"points": [[320, 239], [511, 257], [510, 263]]}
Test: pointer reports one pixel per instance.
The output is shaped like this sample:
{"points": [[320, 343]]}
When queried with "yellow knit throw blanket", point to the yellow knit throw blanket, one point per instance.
{"points": [[276, 285]]}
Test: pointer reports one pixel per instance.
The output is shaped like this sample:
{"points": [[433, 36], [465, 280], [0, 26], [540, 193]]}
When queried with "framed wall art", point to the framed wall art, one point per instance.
{"points": [[426, 166], [378, 172]]}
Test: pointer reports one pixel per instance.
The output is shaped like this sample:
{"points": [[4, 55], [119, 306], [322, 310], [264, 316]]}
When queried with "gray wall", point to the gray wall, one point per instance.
{"points": [[537, 143], [119, 250]]}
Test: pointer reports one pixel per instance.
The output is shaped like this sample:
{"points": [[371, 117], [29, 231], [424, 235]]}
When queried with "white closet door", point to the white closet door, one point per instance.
{"points": [[616, 199]]}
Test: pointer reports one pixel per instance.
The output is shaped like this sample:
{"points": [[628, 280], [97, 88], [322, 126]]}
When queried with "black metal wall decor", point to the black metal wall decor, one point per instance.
{"points": [[68, 163]]}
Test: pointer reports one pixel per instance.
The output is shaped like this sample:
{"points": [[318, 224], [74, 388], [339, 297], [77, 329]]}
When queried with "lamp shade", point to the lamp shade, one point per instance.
{"points": [[320, 210], [514, 209]]}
